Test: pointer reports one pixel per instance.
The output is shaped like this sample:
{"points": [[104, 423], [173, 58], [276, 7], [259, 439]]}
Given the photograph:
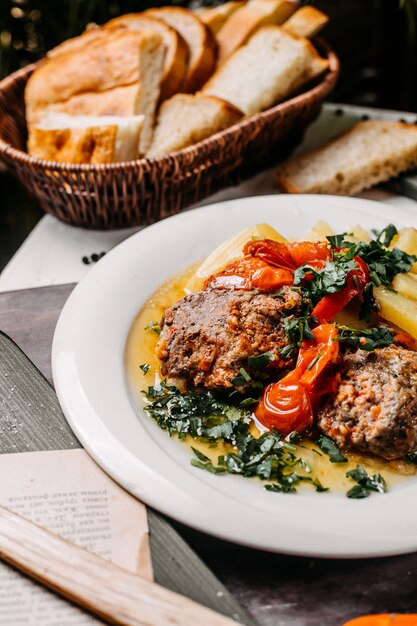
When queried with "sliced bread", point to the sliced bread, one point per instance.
{"points": [[265, 71], [306, 22], [201, 44], [120, 76], [176, 59], [244, 22], [94, 34], [367, 154], [215, 17], [186, 119], [86, 139], [97, 66]]}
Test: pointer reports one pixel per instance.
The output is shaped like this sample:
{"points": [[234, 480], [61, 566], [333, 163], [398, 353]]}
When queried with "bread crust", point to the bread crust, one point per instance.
{"points": [[244, 22], [111, 63], [95, 145], [176, 59], [118, 101], [306, 22], [215, 17], [201, 43]]}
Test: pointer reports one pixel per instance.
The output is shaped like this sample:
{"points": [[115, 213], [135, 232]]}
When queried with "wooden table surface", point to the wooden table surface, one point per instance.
{"points": [[277, 590]]}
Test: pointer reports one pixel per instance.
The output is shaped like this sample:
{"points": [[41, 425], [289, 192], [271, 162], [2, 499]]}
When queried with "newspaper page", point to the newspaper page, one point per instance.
{"points": [[67, 493]]}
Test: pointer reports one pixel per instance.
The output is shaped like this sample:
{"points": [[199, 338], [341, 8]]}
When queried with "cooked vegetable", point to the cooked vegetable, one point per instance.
{"points": [[406, 285], [288, 405], [397, 309], [229, 251], [384, 619]]}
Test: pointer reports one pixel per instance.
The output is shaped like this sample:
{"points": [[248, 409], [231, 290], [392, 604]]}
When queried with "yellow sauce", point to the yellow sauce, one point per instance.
{"points": [[140, 349]]}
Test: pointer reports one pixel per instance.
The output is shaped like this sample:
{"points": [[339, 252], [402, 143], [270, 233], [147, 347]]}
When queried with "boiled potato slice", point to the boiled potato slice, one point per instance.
{"points": [[406, 240], [357, 233], [397, 309], [229, 251], [406, 285], [319, 232]]}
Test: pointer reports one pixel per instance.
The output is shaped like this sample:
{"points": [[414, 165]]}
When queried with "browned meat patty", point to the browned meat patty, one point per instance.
{"points": [[208, 336], [375, 408]]}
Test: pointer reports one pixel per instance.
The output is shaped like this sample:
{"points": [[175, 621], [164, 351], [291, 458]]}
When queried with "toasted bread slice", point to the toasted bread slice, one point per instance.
{"points": [[247, 20], [215, 17], [367, 154], [186, 119], [176, 59], [306, 22], [86, 139], [265, 71], [201, 43]]}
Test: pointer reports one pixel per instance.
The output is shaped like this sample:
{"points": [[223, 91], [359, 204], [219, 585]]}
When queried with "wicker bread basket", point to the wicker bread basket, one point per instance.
{"points": [[147, 190]]}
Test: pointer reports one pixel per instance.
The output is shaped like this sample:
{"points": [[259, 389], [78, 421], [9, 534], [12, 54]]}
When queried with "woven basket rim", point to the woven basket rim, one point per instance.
{"points": [[326, 83]]}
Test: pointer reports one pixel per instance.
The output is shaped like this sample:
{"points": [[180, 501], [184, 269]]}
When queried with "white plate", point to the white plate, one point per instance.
{"points": [[89, 375]]}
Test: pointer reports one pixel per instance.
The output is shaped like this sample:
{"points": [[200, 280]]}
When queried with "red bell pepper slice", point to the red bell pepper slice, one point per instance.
{"points": [[332, 303], [289, 404]]}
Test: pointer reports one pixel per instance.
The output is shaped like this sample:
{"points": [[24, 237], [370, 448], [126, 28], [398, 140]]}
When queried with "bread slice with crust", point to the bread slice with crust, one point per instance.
{"points": [[186, 119], [247, 20], [201, 44], [86, 139], [306, 22], [176, 58], [111, 62], [215, 17], [367, 154], [271, 66], [93, 34], [125, 63]]}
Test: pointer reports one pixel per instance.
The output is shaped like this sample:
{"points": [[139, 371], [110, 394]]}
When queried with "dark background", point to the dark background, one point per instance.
{"points": [[376, 41]]}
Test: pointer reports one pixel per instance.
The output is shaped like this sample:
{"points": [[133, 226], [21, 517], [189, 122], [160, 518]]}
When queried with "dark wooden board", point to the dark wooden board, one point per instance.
{"points": [[277, 590]]}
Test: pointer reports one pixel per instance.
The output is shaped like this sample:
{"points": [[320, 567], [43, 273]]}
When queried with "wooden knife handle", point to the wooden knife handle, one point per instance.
{"points": [[99, 586]]}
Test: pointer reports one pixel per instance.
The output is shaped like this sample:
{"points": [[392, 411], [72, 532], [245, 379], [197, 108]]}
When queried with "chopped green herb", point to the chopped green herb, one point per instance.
{"points": [[319, 487], [260, 361], [244, 374], [329, 447], [411, 458], [366, 484], [270, 457], [145, 368], [155, 326], [386, 235], [366, 338]]}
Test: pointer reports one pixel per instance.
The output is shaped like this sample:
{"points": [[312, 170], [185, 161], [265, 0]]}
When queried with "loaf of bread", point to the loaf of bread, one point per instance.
{"points": [[201, 44], [265, 71], [369, 153], [86, 139], [186, 119]]}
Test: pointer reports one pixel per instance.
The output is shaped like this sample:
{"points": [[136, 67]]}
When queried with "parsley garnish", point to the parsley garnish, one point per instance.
{"points": [[155, 326], [366, 484], [366, 338], [145, 368], [329, 447], [271, 457], [296, 329], [260, 361]]}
